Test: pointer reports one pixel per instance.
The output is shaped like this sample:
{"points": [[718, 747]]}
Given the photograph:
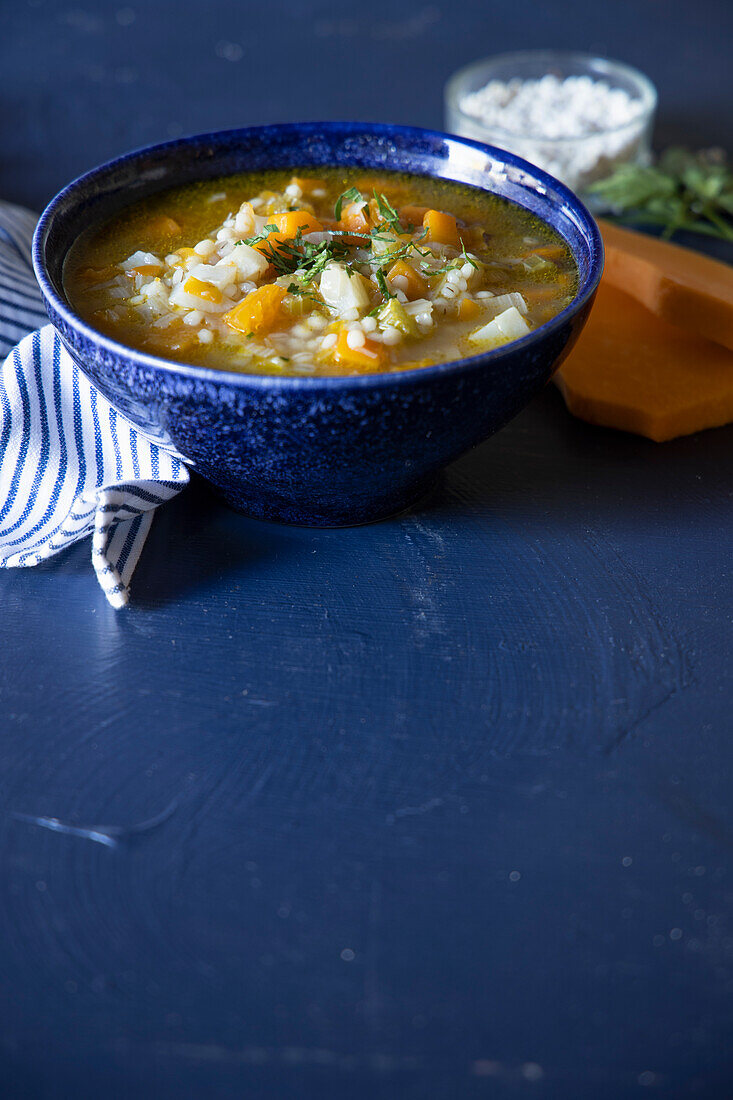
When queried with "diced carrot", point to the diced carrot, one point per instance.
{"points": [[162, 224], [468, 309], [369, 354], [200, 289], [258, 312], [442, 228], [416, 286], [355, 218], [413, 215], [291, 221]]}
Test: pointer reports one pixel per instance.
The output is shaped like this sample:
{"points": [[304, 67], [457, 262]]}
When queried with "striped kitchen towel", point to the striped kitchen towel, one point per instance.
{"points": [[70, 464]]}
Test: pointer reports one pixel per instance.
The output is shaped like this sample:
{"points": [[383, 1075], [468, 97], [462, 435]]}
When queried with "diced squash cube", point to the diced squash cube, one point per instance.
{"points": [[355, 217], [552, 252], [272, 241], [413, 215], [468, 310], [207, 291], [415, 286], [369, 354], [143, 269], [259, 312], [162, 224], [471, 237], [442, 228], [291, 221], [540, 295]]}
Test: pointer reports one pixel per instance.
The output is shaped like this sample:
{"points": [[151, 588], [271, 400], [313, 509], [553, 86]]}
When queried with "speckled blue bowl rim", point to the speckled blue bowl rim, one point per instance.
{"points": [[289, 382]]}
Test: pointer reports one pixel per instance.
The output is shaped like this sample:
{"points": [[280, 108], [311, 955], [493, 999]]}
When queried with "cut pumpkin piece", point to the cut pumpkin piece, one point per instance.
{"points": [[683, 287], [289, 222], [355, 217], [206, 291], [259, 312], [408, 279], [441, 228], [468, 310], [370, 355], [162, 225], [633, 371]]}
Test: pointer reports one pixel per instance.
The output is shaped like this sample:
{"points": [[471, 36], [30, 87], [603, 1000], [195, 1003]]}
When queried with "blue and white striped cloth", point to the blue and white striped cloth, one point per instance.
{"points": [[70, 464]]}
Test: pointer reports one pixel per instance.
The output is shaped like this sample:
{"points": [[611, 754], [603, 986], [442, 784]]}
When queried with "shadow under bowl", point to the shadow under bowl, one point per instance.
{"points": [[326, 451]]}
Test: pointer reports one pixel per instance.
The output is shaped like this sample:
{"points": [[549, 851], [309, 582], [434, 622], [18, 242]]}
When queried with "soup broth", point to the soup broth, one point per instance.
{"points": [[319, 271]]}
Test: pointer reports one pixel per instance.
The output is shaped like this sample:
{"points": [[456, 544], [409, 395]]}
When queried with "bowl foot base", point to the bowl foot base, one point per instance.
{"points": [[338, 513]]}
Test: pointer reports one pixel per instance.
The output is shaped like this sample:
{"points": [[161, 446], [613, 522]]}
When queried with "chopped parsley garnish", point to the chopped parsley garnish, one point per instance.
{"points": [[302, 292], [290, 256], [252, 241], [352, 195], [382, 284], [388, 212]]}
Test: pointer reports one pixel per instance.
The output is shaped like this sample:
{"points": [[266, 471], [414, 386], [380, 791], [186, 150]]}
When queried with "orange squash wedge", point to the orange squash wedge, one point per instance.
{"points": [[683, 287], [635, 371]]}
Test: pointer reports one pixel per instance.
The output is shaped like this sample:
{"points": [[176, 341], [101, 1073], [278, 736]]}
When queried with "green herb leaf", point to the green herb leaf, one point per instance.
{"points": [[683, 191], [388, 212], [251, 241], [299, 291], [382, 284], [353, 194]]}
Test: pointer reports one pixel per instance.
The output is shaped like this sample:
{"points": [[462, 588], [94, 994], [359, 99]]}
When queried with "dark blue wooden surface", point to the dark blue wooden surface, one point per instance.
{"points": [[436, 808]]}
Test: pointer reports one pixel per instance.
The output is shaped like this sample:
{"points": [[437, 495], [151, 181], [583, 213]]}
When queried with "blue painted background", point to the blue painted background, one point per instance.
{"points": [[444, 804]]}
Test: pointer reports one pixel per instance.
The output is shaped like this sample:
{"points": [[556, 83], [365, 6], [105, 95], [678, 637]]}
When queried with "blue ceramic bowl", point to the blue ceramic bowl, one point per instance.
{"points": [[317, 451]]}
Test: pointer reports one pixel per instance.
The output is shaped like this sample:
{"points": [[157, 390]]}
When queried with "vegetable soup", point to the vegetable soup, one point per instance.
{"points": [[320, 272]]}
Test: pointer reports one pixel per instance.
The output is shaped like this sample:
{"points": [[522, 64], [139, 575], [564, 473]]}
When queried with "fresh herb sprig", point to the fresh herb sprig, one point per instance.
{"points": [[683, 191], [290, 256]]}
